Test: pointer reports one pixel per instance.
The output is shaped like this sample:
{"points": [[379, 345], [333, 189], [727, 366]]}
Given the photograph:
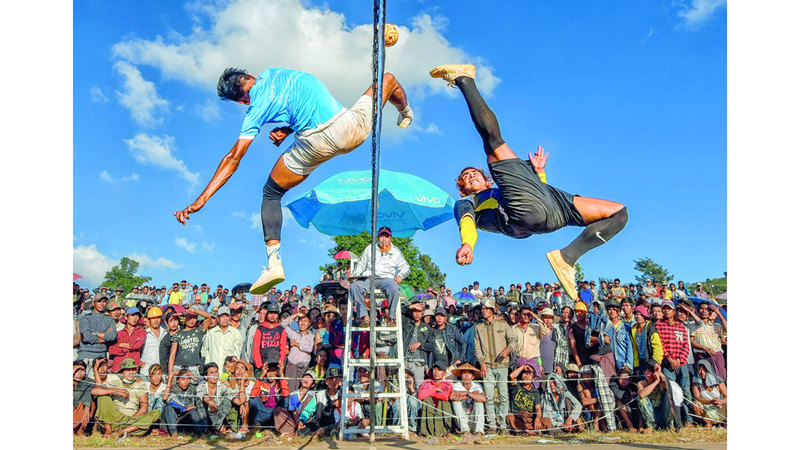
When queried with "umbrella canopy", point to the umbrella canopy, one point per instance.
{"points": [[242, 287], [465, 297], [344, 254], [340, 205], [406, 292], [75, 276]]}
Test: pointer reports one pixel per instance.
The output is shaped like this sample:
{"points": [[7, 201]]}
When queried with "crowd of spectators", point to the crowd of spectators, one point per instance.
{"points": [[523, 360]]}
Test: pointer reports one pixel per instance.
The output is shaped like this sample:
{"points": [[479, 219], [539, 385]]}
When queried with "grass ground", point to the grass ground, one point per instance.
{"points": [[685, 436]]}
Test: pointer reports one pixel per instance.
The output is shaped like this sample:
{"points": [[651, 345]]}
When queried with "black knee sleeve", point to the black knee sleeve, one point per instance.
{"points": [[594, 235], [482, 116], [271, 215]]}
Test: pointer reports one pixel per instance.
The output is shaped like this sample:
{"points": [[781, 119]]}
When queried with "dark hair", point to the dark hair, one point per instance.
{"points": [[205, 368], [79, 362], [229, 85]]}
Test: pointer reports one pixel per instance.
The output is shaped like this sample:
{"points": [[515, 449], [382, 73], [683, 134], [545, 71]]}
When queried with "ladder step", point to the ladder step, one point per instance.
{"points": [[385, 329], [378, 362], [377, 395], [384, 430]]}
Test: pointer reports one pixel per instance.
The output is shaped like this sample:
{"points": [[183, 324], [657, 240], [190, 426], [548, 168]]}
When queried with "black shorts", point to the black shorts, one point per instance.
{"points": [[533, 207]]}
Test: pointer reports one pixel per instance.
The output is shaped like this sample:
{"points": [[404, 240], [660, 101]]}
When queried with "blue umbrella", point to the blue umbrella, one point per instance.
{"points": [[465, 297], [340, 205]]}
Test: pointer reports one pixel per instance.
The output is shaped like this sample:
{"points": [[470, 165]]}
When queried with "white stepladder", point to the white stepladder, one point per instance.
{"points": [[348, 364]]}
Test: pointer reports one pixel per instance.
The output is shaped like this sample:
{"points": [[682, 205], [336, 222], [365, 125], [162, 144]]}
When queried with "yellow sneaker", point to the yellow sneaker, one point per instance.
{"points": [[269, 277], [449, 72], [564, 272]]}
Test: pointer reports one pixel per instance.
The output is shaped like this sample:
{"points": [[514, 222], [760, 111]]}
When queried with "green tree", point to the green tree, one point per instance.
{"points": [[578, 274], [124, 274], [424, 272], [650, 269], [714, 286]]}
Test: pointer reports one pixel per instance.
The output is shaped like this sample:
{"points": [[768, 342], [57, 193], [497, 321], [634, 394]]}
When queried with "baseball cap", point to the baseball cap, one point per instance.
{"points": [[99, 297], [427, 312], [668, 304], [572, 367], [613, 304], [332, 372], [489, 304], [127, 363], [223, 310], [385, 230], [442, 364], [441, 310], [547, 312], [133, 310], [273, 307]]}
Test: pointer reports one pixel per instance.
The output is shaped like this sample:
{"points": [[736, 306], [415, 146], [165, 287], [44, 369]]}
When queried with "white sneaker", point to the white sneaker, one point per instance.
{"points": [[269, 277], [449, 72]]}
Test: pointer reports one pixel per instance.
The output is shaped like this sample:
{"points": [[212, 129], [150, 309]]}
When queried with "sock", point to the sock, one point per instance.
{"points": [[484, 119], [595, 235], [273, 254]]}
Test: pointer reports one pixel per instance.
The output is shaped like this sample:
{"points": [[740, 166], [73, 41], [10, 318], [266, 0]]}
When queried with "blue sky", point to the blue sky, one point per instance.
{"points": [[629, 99]]}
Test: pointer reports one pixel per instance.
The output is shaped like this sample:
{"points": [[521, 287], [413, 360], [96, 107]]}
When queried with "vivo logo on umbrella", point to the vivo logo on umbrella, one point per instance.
{"points": [[354, 180], [426, 199], [391, 215]]}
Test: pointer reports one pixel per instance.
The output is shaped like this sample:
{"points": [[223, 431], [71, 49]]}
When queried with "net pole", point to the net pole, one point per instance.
{"points": [[378, 55]]}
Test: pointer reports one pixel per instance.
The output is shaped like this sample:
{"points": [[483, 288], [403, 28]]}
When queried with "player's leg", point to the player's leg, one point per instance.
{"points": [[280, 180], [463, 77], [604, 220], [394, 93]]}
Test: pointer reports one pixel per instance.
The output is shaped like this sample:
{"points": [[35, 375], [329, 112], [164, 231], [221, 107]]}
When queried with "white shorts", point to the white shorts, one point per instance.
{"points": [[341, 134]]}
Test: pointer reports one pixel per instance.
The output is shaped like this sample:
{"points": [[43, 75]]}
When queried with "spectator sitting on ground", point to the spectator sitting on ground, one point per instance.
{"points": [[556, 403], [654, 399], [526, 403], [436, 412], [301, 405], [328, 403], [82, 406], [710, 395], [125, 411], [220, 401], [266, 395], [184, 408], [467, 399]]}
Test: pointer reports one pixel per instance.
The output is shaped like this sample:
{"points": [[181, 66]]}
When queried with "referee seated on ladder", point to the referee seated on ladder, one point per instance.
{"points": [[390, 269]]}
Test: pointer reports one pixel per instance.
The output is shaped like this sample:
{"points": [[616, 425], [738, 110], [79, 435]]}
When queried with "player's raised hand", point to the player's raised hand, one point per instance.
{"points": [[183, 215], [538, 160], [464, 255]]}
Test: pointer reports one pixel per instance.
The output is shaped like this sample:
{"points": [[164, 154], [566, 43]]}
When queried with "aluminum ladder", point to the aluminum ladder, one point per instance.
{"points": [[348, 364]]}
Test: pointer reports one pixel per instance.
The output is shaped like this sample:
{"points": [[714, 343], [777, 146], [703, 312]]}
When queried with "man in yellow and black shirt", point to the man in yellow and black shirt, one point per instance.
{"points": [[523, 203]]}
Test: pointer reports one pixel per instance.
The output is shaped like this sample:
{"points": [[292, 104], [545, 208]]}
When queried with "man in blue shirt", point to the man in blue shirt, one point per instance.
{"points": [[323, 130]]}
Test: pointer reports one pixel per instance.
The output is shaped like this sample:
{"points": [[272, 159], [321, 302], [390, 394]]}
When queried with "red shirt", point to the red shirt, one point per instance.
{"points": [[135, 340], [438, 390], [674, 340]]}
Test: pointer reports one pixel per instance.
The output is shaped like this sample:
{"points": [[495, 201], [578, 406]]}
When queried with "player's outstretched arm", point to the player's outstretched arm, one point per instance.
{"points": [[538, 161], [227, 167]]}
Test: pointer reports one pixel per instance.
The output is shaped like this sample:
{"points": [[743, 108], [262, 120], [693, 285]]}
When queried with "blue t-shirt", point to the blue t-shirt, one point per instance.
{"points": [[288, 96]]}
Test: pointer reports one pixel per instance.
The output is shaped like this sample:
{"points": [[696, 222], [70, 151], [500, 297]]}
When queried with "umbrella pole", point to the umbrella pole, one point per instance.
{"points": [[379, 15]]}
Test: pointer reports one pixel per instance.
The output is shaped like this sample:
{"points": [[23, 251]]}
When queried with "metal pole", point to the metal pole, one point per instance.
{"points": [[379, 21]]}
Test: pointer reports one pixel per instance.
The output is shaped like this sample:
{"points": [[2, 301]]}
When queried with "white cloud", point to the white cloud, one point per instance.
{"points": [[140, 96], [97, 95], [699, 12], [157, 150], [106, 177], [145, 262], [253, 34], [432, 128], [255, 220], [92, 265], [239, 214], [207, 246], [649, 34], [209, 111], [185, 244]]}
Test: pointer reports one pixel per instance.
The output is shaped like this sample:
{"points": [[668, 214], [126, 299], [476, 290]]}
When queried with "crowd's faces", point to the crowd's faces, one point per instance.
{"points": [[442, 291], [639, 318], [236, 315], [343, 309], [488, 313], [129, 375], [657, 312], [156, 378], [566, 315], [100, 305], [116, 314], [616, 283], [191, 321], [627, 308], [173, 322], [501, 290], [154, 322], [333, 383], [613, 313], [184, 380], [512, 288], [513, 316], [78, 372], [307, 382], [438, 373], [132, 319], [320, 323], [449, 293], [525, 317], [681, 315], [441, 320], [528, 374], [548, 320], [603, 285], [669, 313], [212, 375], [363, 375], [303, 323], [102, 367], [224, 320], [581, 316], [212, 321], [240, 371], [547, 288], [680, 285], [464, 290], [322, 358], [271, 373], [467, 376], [417, 315]]}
